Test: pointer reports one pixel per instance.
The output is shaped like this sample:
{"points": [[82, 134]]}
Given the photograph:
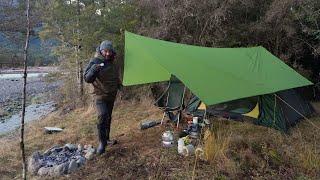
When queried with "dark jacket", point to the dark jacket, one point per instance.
{"points": [[105, 80]]}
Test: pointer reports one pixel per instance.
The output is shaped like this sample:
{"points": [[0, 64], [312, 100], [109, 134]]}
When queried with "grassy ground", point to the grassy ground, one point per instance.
{"points": [[237, 150]]}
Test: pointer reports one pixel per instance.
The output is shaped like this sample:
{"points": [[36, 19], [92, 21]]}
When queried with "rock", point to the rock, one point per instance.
{"points": [[34, 162], [61, 169], [58, 170], [44, 171], [81, 161], [80, 147], [66, 167], [92, 150], [50, 130], [10, 110], [70, 146], [72, 166], [51, 171], [89, 155], [56, 150]]}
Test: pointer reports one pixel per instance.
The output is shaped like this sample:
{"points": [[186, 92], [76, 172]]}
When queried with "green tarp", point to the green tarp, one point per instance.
{"points": [[215, 75]]}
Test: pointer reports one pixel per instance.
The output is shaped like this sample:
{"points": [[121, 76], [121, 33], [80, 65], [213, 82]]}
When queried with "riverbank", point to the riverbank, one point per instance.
{"points": [[39, 94], [41, 69]]}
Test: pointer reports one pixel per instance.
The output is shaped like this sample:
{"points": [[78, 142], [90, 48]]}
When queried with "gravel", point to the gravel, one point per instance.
{"points": [[11, 89]]}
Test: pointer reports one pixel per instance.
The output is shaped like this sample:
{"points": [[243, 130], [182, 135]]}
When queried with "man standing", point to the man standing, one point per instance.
{"points": [[102, 73]]}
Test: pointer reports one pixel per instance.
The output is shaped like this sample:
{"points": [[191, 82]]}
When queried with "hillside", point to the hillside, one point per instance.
{"points": [[11, 46], [242, 150]]}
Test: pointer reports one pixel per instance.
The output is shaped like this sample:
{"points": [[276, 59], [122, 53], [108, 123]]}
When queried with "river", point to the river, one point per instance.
{"points": [[39, 99]]}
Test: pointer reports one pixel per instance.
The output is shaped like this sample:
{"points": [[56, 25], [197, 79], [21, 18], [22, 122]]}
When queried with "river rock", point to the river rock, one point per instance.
{"points": [[53, 149], [80, 147], [81, 160], [89, 155], [70, 146], [72, 166], [61, 169], [34, 162], [45, 171], [51, 171]]}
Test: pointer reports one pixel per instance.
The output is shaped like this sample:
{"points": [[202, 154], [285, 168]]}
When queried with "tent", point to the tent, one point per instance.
{"points": [[214, 75], [280, 110]]}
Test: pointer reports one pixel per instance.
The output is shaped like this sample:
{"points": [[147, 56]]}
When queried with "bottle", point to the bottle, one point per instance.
{"points": [[195, 120], [180, 145]]}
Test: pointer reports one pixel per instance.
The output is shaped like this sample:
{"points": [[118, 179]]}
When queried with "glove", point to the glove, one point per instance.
{"points": [[96, 67]]}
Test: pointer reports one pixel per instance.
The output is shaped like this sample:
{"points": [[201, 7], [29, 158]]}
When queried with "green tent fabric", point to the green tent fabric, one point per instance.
{"points": [[215, 75]]}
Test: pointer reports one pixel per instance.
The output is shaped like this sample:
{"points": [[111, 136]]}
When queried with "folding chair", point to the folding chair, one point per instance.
{"points": [[173, 99]]}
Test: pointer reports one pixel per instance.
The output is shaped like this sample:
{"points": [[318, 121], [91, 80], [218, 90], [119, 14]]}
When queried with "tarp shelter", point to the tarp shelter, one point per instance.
{"points": [[215, 75]]}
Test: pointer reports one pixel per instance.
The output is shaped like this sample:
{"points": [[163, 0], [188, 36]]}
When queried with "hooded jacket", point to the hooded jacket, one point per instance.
{"points": [[105, 79]]}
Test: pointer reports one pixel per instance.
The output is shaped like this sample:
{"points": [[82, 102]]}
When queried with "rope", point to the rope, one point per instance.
{"points": [[298, 112]]}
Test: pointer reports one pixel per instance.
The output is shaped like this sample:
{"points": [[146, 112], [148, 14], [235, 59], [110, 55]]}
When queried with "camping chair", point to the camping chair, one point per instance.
{"points": [[173, 99]]}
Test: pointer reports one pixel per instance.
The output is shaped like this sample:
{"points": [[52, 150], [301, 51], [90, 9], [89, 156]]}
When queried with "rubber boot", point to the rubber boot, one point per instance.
{"points": [[101, 148], [102, 139]]}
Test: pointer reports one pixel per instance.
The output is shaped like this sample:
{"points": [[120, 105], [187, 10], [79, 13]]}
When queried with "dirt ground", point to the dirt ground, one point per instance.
{"points": [[240, 150]]}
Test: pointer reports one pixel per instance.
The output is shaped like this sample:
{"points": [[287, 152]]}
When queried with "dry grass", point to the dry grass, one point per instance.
{"points": [[238, 150]]}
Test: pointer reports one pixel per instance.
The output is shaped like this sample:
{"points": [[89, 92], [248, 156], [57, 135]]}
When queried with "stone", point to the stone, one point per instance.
{"points": [[50, 130], [61, 169], [34, 162], [92, 150], [88, 146], [89, 155], [49, 151], [51, 171], [58, 170], [80, 147], [81, 160], [44, 171], [70, 146], [65, 167], [72, 166], [56, 150]]}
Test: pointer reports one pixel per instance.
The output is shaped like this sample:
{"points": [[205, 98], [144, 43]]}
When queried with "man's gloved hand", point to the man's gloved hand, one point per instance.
{"points": [[96, 67]]}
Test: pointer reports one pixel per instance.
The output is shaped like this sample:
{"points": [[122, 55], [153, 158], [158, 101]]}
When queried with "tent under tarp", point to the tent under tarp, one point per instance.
{"points": [[252, 77], [215, 75], [280, 110]]}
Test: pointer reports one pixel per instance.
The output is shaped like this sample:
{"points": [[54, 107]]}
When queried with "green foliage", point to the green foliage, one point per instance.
{"points": [[289, 28]]}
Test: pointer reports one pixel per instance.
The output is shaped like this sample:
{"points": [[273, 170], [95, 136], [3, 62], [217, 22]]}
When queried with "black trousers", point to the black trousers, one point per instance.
{"points": [[104, 109]]}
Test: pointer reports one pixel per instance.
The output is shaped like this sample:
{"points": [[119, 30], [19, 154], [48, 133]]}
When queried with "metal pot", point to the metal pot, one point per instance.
{"points": [[167, 136], [167, 143]]}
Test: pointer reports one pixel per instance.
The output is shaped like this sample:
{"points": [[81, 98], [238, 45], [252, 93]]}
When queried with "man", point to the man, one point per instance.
{"points": [[102, 73]]}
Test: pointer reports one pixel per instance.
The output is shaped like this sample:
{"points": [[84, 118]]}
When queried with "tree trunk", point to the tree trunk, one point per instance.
{"points": [[24, 170], [79, 62]]}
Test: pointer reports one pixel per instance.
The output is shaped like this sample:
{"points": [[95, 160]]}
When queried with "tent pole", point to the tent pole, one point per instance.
{"points": [[182, 100], [274, 109], [164, 113]]}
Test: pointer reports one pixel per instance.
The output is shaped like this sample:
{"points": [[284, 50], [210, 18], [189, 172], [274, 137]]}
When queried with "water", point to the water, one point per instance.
{"points": [[17, 76], [33, 112]]}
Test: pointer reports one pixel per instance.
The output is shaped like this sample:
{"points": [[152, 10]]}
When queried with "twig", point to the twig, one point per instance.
{"points": [[194, 167]]}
